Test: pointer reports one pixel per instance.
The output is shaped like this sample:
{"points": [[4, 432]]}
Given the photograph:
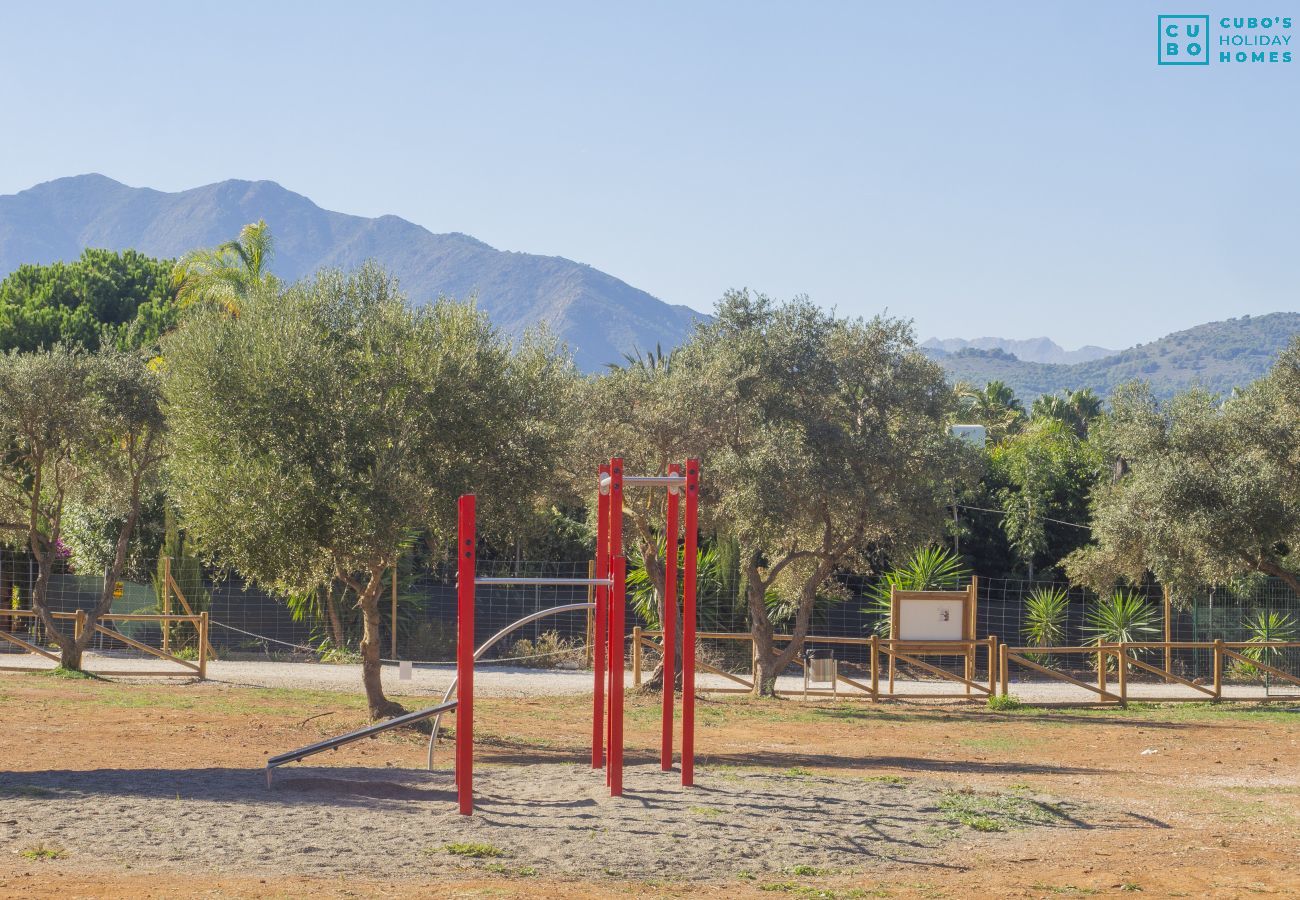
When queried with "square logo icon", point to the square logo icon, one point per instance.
{"points": [[1184, 40]]}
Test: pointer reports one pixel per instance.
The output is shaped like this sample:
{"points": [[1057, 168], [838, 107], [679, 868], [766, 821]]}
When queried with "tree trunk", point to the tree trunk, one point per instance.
{"points": [[332, 614], [75, 646], [368, 600], [760, 629]]}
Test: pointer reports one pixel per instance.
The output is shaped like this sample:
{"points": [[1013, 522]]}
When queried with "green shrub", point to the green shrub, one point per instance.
{"points": [[1045, 612], [1264, 627], [1005, 703], [1123, 617]]}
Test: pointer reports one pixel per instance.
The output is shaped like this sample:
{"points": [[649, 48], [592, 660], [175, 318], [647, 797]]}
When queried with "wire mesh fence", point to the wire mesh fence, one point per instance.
{"points": [[418, 617]]}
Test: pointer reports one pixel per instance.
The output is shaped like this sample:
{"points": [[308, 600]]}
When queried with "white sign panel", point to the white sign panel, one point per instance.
{"points": [[931, 620]]}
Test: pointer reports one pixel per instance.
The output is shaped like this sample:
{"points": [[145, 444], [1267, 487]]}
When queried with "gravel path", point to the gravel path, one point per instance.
{"points": [[509, 681]]}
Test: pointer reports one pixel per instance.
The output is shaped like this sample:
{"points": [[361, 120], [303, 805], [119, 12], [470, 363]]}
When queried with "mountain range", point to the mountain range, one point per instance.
{"points": [[600, 317], [1217, 356], [1039, 350]]}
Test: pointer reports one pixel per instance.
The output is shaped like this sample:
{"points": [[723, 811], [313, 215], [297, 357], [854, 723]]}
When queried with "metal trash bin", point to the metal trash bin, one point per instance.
{"points": [[820, 667]]}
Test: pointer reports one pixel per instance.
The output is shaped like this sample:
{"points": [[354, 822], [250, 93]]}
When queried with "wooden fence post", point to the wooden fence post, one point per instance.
{"points": [[1122, 664], [1169, 651], [993, 665], [1004, 669], [203, 645], [636, 656], [79, 625], [875, 667], [167, 603], [1218, 668]]}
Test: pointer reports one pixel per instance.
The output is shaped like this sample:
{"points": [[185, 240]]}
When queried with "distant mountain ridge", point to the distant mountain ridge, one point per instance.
{"points": [[599, 316], [1040, 350], [1218, 356]]}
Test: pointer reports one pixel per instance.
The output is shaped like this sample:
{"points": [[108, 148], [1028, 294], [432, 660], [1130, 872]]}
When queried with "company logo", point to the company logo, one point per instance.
{"points": [[1184, 40]]}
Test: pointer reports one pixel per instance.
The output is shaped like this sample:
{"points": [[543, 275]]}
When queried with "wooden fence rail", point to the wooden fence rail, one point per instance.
{"points": [[1114, 664], [198, 668]]}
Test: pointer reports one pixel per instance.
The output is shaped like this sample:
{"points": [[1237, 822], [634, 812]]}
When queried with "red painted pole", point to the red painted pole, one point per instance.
{"points": [[669, 625], [617, 605], [466, 559], [688, 620], [600, 639]]}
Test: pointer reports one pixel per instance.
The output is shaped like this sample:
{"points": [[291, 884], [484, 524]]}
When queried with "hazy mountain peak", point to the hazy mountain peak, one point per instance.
{"points": [[1039, 350], [598, 315]]}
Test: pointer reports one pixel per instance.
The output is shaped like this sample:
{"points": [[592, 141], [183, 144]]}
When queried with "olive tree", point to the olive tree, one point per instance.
{"points": [[326, 425], [79, 429], [1204, 492], [824, 439]]}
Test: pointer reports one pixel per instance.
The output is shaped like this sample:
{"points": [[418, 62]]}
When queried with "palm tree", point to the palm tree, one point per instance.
{"points": [[1077, 409], [653, 363], [226, 275], [995, 407]]}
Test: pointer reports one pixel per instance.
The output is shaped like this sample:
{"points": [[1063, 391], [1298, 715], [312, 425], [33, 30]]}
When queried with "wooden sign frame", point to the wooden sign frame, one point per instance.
{"points": [[970, 606]]}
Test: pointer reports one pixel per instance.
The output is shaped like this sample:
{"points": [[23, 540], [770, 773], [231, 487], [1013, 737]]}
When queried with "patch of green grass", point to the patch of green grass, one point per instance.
{"points": [[514, 871], [996, 812], [69, 674], [806, 870], [1005, 703], [472, 851], [893, 780], [706, 811], [813, 893], [43, 853], [798, 772], [1130, 886], [995, 743]]}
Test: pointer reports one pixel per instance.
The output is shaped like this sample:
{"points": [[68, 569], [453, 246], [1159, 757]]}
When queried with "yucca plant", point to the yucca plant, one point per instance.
{"points": [[641, 590], [1264, 628], [1123, 617], [930, 568], [1045, 613]]}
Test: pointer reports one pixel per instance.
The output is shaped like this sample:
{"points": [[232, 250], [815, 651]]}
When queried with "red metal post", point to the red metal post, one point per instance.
{"points": [[669, 624], [602, 606], [465, 573], [691, 526], [617, 605]]}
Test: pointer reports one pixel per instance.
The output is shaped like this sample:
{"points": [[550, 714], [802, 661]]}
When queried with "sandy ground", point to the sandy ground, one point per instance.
{"points": [[158, 790], [519, 682]]}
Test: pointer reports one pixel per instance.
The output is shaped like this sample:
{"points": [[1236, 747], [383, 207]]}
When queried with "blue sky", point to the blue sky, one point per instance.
{"points": [[1013, 169]]}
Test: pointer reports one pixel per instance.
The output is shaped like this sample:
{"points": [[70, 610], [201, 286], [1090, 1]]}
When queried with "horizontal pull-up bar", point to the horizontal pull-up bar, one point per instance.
{"points": [[668, 481], [558, 582]]}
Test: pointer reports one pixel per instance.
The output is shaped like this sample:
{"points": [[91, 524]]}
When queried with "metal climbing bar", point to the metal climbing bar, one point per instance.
{"points": [[668, 481], [550, 582], [369, 731]]}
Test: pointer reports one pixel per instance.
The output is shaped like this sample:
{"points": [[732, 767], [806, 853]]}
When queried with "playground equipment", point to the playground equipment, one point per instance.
{"points": [[610, 582], [369, 731]]}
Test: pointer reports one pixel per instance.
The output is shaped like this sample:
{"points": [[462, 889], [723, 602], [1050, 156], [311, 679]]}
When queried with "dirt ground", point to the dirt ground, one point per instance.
{"points": [[110, 789]]}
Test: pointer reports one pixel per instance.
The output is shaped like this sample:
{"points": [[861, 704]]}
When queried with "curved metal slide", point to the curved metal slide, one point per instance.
{"points": [[434, 712]]}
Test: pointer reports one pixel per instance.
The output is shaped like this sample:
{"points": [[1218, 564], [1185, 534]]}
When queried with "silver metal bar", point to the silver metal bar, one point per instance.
{"points": [[531, 617], [369, 731], [554, 582], [669, 481]]}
